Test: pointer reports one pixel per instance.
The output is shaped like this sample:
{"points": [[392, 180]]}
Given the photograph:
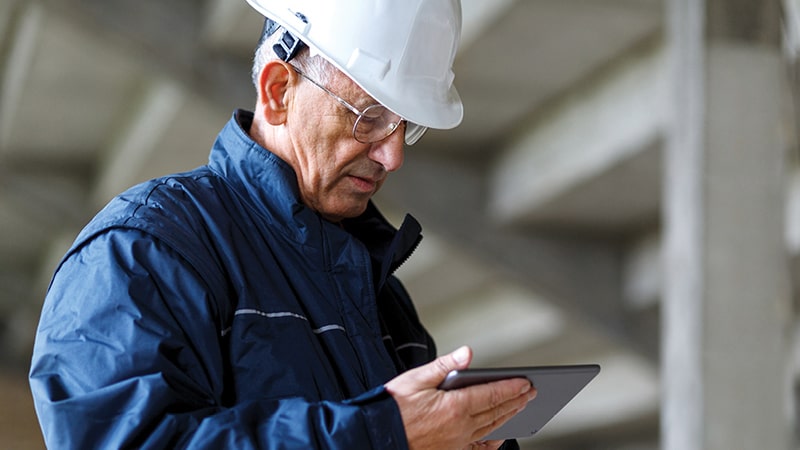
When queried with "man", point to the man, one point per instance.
{"points": [[250, 303]]}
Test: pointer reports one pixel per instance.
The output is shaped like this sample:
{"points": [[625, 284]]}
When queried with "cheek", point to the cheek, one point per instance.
{"points": [[314, 136], [323, 159], [330, 145]]}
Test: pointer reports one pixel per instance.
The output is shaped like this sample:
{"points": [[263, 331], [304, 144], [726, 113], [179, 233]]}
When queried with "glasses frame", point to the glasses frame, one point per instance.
{"points": [[361, 114]]}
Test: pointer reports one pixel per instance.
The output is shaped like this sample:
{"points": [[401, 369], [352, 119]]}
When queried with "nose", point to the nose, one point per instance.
{"points": [[388, 152]]}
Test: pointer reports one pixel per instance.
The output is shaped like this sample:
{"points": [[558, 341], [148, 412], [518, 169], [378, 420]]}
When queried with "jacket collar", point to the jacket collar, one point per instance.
{"points": [[388, 248], [265, 181]]}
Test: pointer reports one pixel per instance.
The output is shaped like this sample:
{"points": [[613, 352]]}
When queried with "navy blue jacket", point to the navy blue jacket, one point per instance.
{"points": [[212, 309]]}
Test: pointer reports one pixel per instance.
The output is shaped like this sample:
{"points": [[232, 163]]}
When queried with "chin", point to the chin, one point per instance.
{"points": [[342, 214]]}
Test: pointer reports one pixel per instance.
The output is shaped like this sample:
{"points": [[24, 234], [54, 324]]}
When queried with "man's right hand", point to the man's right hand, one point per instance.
{"points": [[436, 419]]}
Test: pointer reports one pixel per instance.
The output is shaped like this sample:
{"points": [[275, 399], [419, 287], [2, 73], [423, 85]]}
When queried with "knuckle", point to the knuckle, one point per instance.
{"points": [[440, 366], [497, 414], [495, 398]]}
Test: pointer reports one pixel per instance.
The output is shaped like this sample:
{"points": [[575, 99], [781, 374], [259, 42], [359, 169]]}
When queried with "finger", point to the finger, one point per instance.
{"points": [[486, 397], [494, 422], [496, 416], [489, 420]]}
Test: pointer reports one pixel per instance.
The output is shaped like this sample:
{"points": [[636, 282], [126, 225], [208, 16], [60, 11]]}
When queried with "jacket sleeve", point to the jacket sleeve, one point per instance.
{"points": [[128, 355]]}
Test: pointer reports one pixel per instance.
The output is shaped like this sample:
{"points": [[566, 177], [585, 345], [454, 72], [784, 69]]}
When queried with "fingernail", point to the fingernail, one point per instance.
{"points": [[461, 355]]}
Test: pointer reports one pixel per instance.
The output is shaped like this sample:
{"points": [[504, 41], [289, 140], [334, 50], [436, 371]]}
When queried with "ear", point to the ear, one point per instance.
{"points": [[273, 87]]}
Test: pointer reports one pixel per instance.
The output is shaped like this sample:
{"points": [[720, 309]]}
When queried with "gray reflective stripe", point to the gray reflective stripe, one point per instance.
{"points": [[269, 315], [329, 328], [412, 344], [407, 345], [278, 315]]}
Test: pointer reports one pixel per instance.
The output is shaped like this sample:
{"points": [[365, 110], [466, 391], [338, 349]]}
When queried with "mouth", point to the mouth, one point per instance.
{"points": [[364, 184]]}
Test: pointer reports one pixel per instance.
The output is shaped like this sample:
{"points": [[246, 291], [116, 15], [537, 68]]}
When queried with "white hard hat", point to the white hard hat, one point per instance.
{"points": [[400, 52]]}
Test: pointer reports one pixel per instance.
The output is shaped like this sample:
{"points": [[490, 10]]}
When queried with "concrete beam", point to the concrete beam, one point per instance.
{"points": [[479, 15], [441, 274], [791, 45], [516, 320], [21, 26], [553, 172], [223, 26], [791, 28], [167, 37], [44, 194], [15, 285], [129, 154], [642, 273], [726, 287], [792, 226], [36, 201]]}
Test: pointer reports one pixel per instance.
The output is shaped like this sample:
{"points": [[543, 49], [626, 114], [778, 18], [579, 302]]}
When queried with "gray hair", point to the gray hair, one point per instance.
{"points": [[315, 66]]}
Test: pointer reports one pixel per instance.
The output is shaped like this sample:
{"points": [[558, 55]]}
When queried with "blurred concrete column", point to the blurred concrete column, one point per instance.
{"points": [[727, 309]]}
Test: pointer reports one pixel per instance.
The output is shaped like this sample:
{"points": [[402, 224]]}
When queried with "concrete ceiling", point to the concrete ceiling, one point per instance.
{"points": [[540, 210]]}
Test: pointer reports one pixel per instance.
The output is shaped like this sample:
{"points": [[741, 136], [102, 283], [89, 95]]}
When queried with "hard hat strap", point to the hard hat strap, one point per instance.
{"points": [[288, 46]]}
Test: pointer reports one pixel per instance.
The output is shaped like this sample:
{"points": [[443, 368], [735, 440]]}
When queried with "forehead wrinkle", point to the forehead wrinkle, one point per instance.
{"points": [[352, 93]]}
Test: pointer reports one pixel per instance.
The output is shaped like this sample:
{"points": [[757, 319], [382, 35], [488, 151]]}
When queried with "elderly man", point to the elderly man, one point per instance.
{"points": [[250, 303]]}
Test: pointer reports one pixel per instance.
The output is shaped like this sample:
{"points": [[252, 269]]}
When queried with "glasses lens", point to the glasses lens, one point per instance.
{"points": [[375, 124]]}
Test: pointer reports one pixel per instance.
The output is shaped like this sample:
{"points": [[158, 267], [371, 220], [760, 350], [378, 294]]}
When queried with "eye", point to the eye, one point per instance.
{"points": [[367, 124], [375, 123], [374, 112]]}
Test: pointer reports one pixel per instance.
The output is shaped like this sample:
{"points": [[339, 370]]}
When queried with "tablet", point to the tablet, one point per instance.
{"points": [[555, 386]]}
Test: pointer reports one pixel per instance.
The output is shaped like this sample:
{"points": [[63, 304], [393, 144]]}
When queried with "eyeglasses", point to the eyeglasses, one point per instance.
{"points": [[375, 123]]}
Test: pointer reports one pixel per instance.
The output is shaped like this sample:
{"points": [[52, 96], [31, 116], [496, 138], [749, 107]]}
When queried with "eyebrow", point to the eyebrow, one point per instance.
{"points": [[365, 102]]}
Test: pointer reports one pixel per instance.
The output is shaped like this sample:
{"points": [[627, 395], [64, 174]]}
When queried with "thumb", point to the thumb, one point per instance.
{"points": [[460, 358], [436, 371], [431, 375]]}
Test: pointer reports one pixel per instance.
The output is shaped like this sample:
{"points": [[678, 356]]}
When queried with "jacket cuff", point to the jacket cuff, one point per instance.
{"points": [[382, 419]]}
